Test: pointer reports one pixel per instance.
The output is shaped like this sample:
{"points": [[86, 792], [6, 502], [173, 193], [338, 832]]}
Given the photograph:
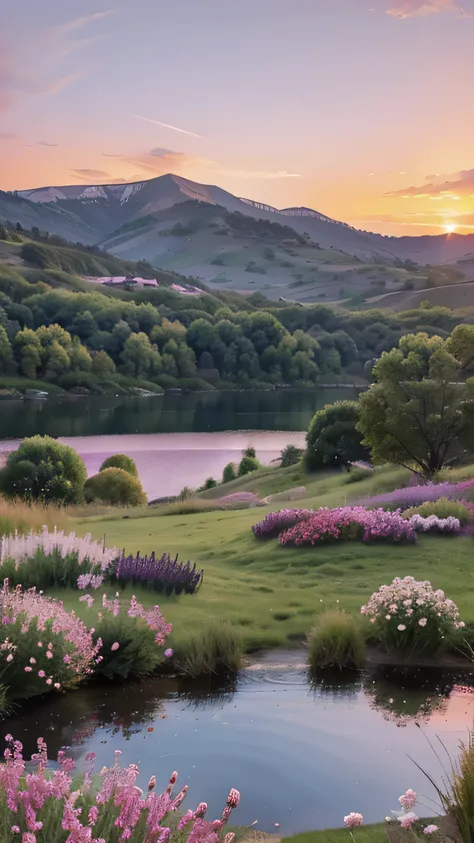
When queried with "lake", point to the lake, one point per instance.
{"points": [[303, 755], [176, 440]]}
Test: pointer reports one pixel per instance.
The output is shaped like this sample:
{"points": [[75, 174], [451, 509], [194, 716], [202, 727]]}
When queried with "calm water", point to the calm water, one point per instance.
{"points": [[175, 440], [302, 757]]}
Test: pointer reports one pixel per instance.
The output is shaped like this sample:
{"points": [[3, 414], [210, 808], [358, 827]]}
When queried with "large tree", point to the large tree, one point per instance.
{"points": [[332, 438], [417, 411]]}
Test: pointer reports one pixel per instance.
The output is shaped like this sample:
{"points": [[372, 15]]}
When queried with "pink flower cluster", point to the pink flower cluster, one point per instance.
{"points": [[346, 523], [275, 522], [19, 548], [23, 609], [152, 617], [118, 810], [406, 817]]}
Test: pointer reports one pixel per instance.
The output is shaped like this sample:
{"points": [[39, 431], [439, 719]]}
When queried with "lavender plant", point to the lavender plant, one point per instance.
{"points": [[275, 522], [165, 575]]}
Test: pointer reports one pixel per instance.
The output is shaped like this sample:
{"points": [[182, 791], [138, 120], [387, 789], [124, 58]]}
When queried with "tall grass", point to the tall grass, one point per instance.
{"points": [[337, 641], [457, 792], [217, 648], [21, 516]]}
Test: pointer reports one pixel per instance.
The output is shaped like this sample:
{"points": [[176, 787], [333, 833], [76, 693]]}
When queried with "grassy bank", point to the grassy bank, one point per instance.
{"points": [[364, 834]]}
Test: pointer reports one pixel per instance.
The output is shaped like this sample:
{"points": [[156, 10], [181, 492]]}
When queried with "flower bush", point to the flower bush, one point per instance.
{"points": [[54, 559], [349, 523], [406, 817], [42, 646], [411, 617], [164, 574], [433, 524], [442, 508], [275, 522], [130, 638], [46, 806], [417, 495]]}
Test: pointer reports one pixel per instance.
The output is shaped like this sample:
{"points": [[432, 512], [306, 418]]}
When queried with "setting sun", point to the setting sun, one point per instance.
{"points": [[449, 227]]}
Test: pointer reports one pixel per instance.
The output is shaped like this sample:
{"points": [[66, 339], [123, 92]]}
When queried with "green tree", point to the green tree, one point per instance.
{"points": [[461, 345], [333, 438], [29, 349], [116, 487], [102, 365], [7, 363], [120, 461], [55, 361], [141, 359], [44, 469], [79, 357], [416, 411], [84, 325]]}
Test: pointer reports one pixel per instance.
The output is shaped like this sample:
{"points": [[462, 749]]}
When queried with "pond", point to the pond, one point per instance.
{"points": [[303, 756], [175, 440]]}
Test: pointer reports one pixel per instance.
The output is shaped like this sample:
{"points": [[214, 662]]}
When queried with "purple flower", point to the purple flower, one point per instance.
{"points": [[169, 653]]}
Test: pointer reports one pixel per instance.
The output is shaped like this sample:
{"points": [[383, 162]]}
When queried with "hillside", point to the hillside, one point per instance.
{"points": [[208, 235]]}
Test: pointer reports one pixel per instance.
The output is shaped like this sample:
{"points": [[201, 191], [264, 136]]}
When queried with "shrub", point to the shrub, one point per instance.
{"points": [[19, 548], [137, 653], [116, 487], [165, 574], [290, 455], [120, 461], [337, 641], [433, 524], [42, 645], [249, 452], [275, 522], [69, 806], [418, 495], [442, 508], [355, 475], [216, 648], [410, 617], [332, 438], [229, 473], [349, 524], [247, 465], [43, 469], [210, 483]]}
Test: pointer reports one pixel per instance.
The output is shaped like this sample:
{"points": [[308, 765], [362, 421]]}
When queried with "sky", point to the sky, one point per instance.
{"points": [[360, 109]]}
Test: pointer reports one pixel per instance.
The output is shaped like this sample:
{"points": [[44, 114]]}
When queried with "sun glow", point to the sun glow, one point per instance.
{"points": [[449, 227]]}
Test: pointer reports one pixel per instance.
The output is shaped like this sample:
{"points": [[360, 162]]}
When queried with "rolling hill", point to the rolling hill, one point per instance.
{"points": [[226, 242]]}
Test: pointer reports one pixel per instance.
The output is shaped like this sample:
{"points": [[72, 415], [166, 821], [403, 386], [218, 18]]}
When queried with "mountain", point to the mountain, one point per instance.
{"points": [[228, 242]]}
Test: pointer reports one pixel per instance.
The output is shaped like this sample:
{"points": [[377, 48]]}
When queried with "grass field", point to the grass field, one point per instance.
{"points": [[364, 834], [274, 593]]}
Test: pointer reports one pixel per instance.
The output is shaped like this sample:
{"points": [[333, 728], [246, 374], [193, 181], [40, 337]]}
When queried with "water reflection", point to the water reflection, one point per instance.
{"points": [[303, 754], [169, 413]]}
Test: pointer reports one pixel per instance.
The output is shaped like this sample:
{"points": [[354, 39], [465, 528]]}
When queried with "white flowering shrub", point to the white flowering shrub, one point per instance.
{"points": [[433, 524], [410, 617]]}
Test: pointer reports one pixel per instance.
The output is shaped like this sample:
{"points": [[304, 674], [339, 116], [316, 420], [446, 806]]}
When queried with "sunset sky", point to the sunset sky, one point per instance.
{"points": [[361, 109]]}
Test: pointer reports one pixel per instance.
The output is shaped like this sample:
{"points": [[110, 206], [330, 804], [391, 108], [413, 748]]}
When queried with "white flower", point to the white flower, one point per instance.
{"points": [[430, 829], [422, 622], [401, 627]]}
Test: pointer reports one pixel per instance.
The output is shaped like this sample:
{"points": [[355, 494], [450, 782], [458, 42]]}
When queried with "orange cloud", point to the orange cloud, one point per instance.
{"points": [[449, 186]]}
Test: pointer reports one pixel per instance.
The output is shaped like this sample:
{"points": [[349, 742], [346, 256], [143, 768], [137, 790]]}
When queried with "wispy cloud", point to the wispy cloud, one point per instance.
{"points": [[55, 86], [46, 143], [419, 8], [168, 126], [62, 29], [8, 136], [90, 175], [449, 186]]}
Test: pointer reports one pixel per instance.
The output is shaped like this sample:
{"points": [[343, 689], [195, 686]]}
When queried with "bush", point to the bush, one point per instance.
{"points": [[449, 526], [43, 647], [442, 508], [110, 807], [275, 522], [417, 495], [229, 473], [337, 641], [116, 487], [216, 648], [290, 455], [120, 461], [249, 452], [332, 438], [166, 575], [137, 653], [355, 475], [411, 618], [247, 465], [210, 483], [43, 469], [349, 524]]}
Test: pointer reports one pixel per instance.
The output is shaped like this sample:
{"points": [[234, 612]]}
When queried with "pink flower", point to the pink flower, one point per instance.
{"points": [[49, 654], [32, 660], [41, 674], [57, 685], [408, 800], [15, 830], [430, 829], [407, 820], [49, 681], [401, 627], [353, 820], [115, 646], [90, 756], [233, 798], [169, 653], [9, 658], [66, 659], [388, 617], [28, 669], [422, 622]]}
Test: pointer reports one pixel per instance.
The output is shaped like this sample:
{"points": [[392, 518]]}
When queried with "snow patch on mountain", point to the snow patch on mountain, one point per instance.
{"points": [[42, 195]]}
